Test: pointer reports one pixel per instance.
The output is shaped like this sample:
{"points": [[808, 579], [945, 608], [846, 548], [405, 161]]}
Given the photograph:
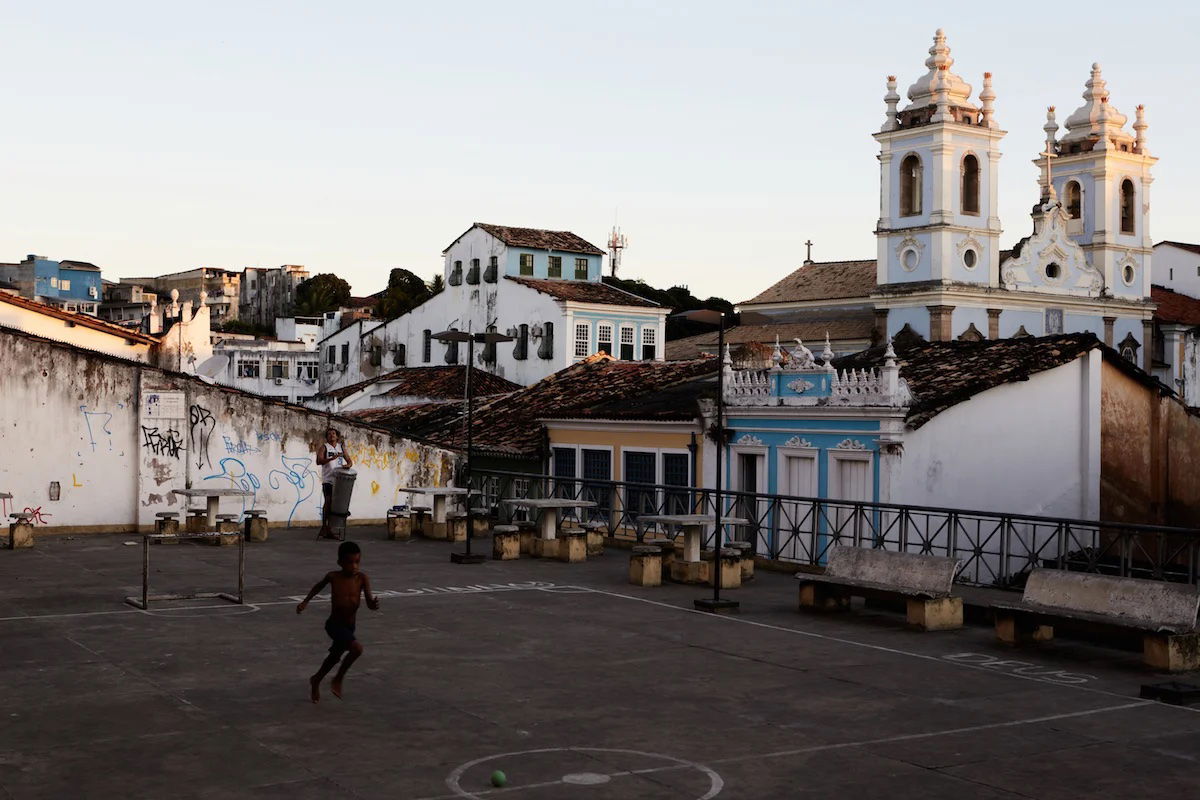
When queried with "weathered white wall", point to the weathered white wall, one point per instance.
{"points": [[117, 437], [1024, 448], [1177, 268], [61, 330]]}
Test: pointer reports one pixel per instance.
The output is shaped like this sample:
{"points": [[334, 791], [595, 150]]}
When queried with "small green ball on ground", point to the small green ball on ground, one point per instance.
{"points": [[499, 779]]}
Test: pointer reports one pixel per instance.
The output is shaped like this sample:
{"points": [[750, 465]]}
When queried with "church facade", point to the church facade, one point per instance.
{"points": [[940, 271]]}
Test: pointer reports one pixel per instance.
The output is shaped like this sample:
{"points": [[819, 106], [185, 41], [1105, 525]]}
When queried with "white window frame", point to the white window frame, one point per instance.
{"points": [[64, 285], [804, 518], [582, 345], [649, 332], [627, 328], [735, 477], [601, 328]]}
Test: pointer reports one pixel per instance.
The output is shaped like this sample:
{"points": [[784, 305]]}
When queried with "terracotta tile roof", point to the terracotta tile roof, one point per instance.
{"points": [[83, 320], [1175, 307], [585, 292], [856, 326], [1195, 248], [825, 280], [539, 239], [446, 383], [941, 375], [508, 424], [677, 403]]}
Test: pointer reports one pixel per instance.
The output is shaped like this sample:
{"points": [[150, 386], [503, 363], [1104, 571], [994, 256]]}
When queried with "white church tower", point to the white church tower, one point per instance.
{"points": [[1101, 175], [938, 224]]}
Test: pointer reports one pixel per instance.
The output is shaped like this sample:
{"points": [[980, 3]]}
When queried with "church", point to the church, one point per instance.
{"points": [[940, 271]]}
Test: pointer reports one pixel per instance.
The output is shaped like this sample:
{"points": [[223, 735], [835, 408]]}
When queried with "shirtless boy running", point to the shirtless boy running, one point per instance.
{"points": [[346, 586]]}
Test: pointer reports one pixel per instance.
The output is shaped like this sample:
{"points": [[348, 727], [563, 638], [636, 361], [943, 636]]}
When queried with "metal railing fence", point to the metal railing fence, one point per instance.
{"points": [[996, 549]]}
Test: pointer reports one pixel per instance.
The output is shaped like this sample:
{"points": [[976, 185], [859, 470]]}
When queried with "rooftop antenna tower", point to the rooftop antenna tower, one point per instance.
{"points": [[616, 243]]}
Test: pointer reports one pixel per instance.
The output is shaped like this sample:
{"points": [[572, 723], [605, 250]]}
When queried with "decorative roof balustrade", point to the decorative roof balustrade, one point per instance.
{"points": [[796, 379]]}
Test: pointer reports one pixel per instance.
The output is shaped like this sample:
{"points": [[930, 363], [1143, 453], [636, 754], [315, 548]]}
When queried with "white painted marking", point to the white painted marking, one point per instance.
{"points": [[586, 779], [453, 780], [1022, 668]]}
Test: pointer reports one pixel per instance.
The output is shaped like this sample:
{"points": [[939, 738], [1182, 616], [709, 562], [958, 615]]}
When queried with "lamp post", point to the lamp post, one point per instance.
{"points": [[715, 604], [456, 337]]}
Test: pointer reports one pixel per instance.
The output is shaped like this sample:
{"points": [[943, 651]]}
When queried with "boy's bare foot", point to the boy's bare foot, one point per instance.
{"points": [[316, 689], [335, 686]]}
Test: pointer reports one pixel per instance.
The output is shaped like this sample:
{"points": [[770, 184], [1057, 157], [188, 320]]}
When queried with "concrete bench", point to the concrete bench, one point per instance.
{"points": [[255, 525], [572, 545], [197, 520], [667, 548], [1164, 613], [20, 531], [527, 530], [645, 565], [166, 522], [596, 531], [731, 569], [506, 542], [456, 526], [745, 558], [923, 582]]}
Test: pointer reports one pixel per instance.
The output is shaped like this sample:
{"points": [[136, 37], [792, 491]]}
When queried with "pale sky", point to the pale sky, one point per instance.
{"points": [[353, 137]]}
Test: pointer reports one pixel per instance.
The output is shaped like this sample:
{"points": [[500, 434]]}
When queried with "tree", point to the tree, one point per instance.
{"points": [[676, 298], [321, 293], [437, 284], [404, 292]]}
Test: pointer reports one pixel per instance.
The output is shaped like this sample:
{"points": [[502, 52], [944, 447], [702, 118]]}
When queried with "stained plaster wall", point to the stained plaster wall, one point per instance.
{"points": [[117, 437], [1150, 451]]}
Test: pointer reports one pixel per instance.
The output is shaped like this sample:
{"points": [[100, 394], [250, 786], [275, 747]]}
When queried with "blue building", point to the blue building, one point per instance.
{"points": [[71, 285]]}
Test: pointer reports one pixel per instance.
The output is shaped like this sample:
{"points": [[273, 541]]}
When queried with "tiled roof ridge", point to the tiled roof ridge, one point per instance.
{"points": [[572, 291], [1195, 248], [86, 320], [566, 241]]}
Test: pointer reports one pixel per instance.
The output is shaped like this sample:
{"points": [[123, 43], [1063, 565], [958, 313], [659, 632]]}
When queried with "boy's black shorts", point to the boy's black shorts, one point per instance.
{"points": [[342, 635]]}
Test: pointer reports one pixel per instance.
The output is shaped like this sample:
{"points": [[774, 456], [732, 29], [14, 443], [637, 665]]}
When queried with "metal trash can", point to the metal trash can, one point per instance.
{"points": [[343, 488]]}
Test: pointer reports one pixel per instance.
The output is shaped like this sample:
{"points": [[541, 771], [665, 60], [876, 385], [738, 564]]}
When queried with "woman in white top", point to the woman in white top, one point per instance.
{"points": [[330, 456]]}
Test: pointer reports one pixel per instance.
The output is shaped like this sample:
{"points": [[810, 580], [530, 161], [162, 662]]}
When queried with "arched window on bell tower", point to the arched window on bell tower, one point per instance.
{"points": [[1074, 200], [1128, 203], [970, 185], [910, 186]]}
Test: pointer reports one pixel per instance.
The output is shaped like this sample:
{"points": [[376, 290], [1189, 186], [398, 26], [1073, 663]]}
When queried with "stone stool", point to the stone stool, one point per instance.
{"points": [[645, 566], [480, 524], [20, 531], [166, 522], [255, 525], [399, 525], [731, 569], [528, 531], [419, 516], [227, 525], [456, 526], [197, 520], [506, 542], [667, 548], [572, 545], [596, 531], [747, 558]]}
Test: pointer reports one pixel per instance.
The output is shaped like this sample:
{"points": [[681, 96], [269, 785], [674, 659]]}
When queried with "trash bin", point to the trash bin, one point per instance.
{"points": [[343, 488]]}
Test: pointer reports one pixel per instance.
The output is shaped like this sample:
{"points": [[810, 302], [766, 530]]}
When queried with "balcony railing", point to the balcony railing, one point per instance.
{"points": [[996, 549]]}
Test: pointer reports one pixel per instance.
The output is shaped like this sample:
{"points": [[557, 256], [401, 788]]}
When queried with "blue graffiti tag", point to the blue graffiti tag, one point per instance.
{"points": [[102, 425], [299, 473], [233, 470], [240, 447]]}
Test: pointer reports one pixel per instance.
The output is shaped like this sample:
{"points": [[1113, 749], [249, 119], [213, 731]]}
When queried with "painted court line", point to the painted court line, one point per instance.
{"points": [[884, 649], [819, 748]]}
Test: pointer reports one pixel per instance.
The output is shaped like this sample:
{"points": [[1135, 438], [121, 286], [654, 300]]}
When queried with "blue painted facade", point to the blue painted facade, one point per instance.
{"points": [[541, 263], [48, 277], [638, 322]]}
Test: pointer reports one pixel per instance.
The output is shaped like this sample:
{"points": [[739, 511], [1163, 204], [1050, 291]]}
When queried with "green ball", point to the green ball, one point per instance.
{"points": [[499, 779]]}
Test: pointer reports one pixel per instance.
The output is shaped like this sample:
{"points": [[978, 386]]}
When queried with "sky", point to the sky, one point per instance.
{"points": [[353, 137]]}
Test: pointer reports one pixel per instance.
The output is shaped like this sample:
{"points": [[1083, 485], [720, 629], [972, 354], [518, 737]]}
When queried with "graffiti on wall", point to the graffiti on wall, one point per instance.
{"points": [[97, 426], [241, 447], [234, 471], [201, 424], [299, 473], [39, 518], [162, 442]]}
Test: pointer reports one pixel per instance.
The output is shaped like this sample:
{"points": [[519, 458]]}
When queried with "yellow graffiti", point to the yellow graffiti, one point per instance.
{"points": [[74, 480], [367, 455], [411, 455], [374, 487]]}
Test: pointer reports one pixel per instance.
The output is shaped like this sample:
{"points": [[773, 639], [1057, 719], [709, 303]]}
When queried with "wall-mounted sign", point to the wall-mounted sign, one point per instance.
{"points": [[164, 405]]}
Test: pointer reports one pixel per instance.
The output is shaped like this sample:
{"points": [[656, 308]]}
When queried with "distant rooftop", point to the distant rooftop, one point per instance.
{"points": [[536, 238]]}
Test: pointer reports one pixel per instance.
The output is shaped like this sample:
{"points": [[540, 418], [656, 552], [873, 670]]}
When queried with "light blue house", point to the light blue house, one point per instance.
{"points": [[73, 285]]}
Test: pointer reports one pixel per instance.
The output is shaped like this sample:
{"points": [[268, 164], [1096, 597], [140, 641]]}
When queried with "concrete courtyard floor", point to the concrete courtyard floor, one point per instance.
{"points": [[572, 682]]}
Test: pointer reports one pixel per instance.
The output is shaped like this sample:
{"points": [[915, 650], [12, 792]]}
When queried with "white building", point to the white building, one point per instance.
{"points": [[279, 369], [543, 288], [1177, 267], [269, 292], [939, 270]]}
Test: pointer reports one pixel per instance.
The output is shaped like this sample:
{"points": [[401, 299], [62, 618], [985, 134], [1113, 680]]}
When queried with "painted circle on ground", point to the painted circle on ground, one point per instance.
{"points": [[586, 779], [716, 783]]}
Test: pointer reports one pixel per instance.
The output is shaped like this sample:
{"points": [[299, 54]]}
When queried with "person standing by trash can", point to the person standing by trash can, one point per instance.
{"points": [[331, 455]]}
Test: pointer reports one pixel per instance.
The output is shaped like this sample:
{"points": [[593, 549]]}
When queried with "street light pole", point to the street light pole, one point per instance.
{"points": [[716, 604], [456, 337]]}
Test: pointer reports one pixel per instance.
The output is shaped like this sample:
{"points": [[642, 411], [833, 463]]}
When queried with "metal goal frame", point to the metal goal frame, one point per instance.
{"points": [[143, 602]]}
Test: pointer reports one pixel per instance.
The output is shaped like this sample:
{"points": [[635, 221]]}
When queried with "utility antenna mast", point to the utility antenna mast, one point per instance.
{"points": [[616, 243]]}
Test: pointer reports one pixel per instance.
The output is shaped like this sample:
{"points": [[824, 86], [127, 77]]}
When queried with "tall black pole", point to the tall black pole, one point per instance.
{"points": [[716, 604], [468, 558], [720, 458]]}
